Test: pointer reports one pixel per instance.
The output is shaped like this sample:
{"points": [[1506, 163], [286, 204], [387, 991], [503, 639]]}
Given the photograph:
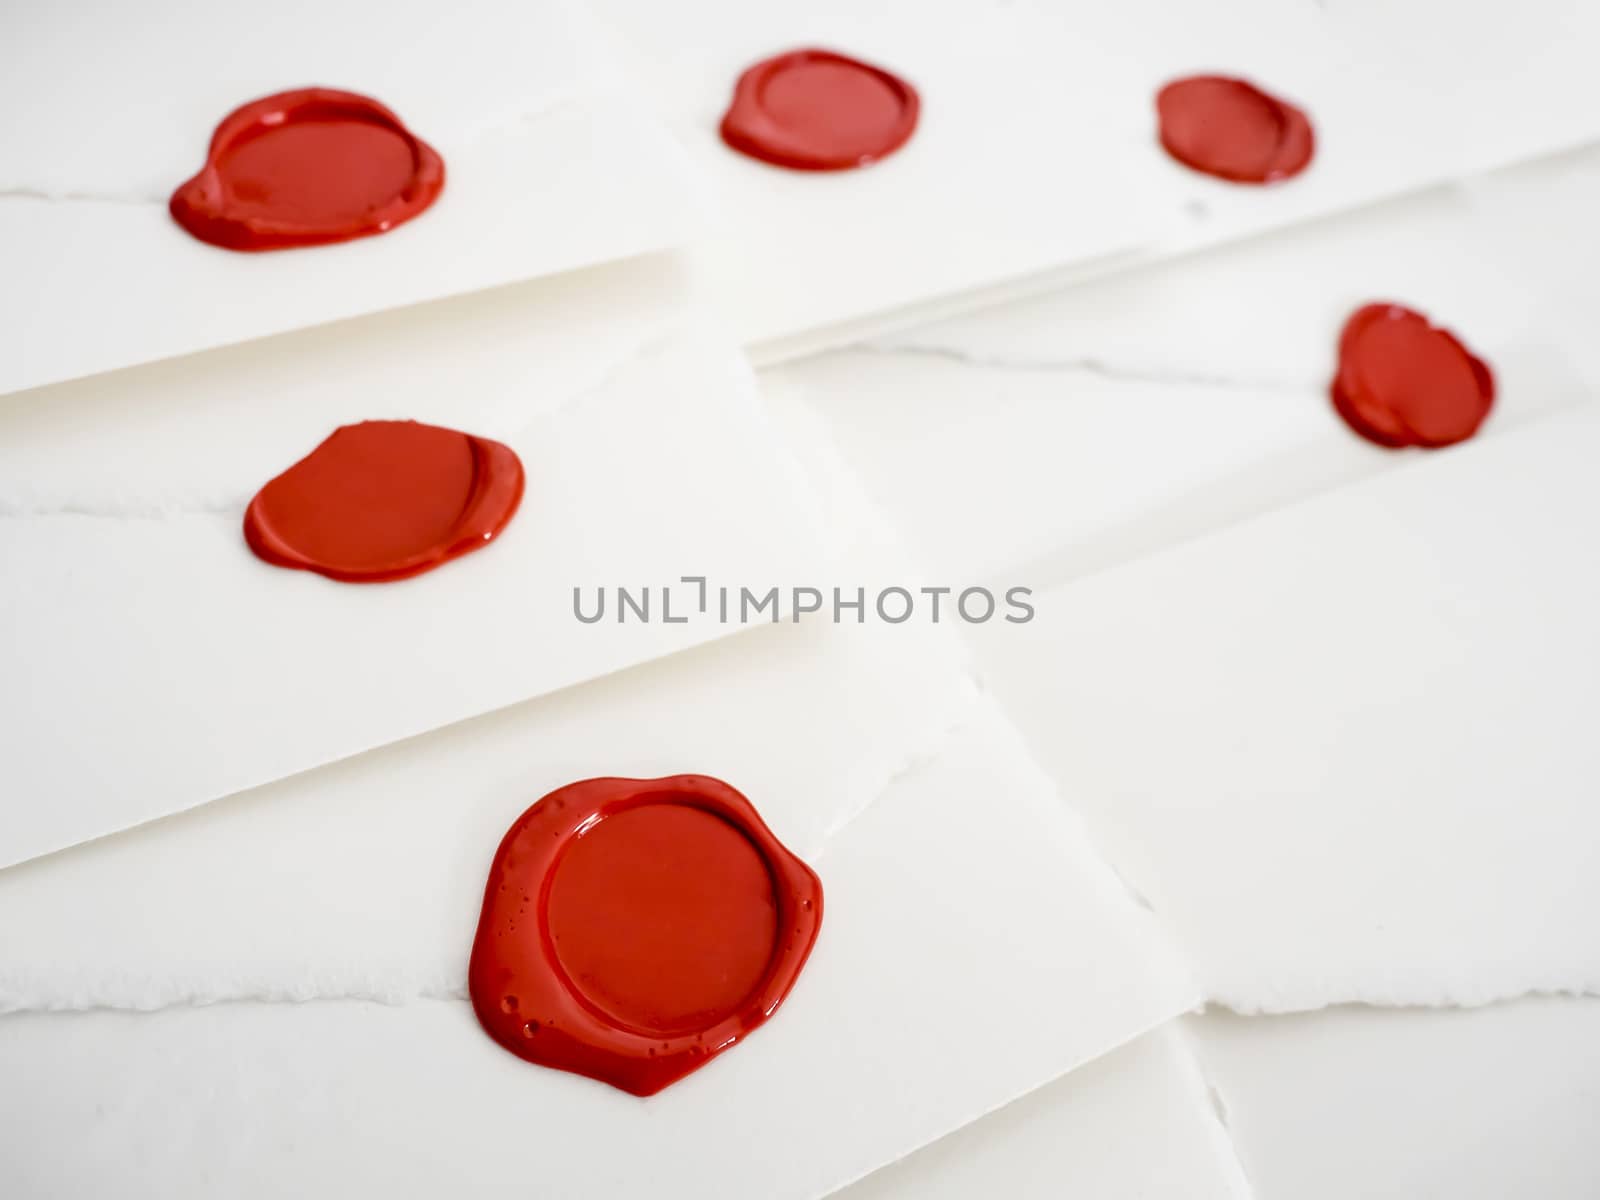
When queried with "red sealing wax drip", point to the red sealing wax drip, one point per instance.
{"points": [[304, 168], [1233, 130], [634, 929], [385, 500], [814, 110], [1402, 382]]}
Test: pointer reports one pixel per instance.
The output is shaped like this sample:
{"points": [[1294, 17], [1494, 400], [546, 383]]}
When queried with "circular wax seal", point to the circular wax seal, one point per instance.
{"points": [[634, 929], [1403, 382], [384, 500], [1233, 130], [304, 168], [814, 110]]}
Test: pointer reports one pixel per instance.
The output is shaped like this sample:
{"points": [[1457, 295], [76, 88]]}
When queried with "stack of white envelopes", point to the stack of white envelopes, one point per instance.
{"points": [[1245, 843]]}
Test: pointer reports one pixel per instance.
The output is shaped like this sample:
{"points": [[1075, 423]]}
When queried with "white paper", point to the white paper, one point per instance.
{"points": [[1089, 1134], [1036, 161], [1005, 176], [1501, 1101], [1400, 97], [552, 164], [1345, 748], [1544, 211], [861, 712], [974, 948], [1043, 440], [163, 665]]}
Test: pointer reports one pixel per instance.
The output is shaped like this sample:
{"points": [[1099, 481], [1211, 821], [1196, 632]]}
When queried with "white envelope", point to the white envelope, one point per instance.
{"points": [[1346, 748], [552, 163], [1011, 171], [1090, 1134], [1112, 419], [1400, 97], [1386, 1105], [156, 664], [1545, 209], [1036, 162], [974, 947]]}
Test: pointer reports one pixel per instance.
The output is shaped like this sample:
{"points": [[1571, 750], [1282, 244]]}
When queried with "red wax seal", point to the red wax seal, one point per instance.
{"points": [[814, 110], [385, 500], [633, 929], [307, 167], [1233, 130], [1401, 382]]}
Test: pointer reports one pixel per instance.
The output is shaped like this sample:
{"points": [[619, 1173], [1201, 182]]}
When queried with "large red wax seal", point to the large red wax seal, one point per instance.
{"points": [[814, 110], [385, 500], [307, 167], [1233, 130], [1402, 382], [634, 929]]}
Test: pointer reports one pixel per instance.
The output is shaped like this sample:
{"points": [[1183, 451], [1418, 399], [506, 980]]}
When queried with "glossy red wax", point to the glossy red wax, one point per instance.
{"points": [[634, 929], [385, 500], [304, 168], [814, 110], [1402, 382], [1233, 130]]}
